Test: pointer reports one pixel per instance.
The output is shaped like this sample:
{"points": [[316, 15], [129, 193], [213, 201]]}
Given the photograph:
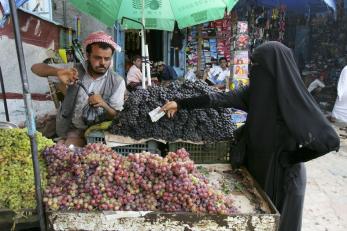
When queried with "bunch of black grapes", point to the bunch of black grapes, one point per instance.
{"points": [[207, 125]]}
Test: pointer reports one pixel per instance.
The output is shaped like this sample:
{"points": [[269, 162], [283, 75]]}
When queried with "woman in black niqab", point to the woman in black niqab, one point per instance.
{"points": [[284, 128]]}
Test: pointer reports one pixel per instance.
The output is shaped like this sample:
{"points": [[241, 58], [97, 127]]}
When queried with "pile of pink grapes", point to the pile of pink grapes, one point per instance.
{"points": [[97, 178]]}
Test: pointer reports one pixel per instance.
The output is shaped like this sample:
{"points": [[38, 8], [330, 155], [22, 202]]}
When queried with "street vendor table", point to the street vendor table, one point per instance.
{"points": [[256, 212]]}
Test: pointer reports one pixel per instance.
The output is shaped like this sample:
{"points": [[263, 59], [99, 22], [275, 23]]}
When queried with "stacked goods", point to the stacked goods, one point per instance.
{"points": [[206, 125], [97, 178], [17, 188]]}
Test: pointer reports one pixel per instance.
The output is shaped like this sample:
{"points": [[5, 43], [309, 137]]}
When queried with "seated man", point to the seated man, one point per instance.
{"points": [[134, 76], [166, 72], [218, 75], [108, 87], [316, 86]]}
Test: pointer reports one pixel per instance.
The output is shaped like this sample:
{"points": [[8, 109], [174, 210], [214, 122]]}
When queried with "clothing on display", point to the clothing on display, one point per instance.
{"points": [[208, 42]]}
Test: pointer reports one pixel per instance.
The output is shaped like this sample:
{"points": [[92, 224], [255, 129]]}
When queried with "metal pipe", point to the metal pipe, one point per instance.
{"points": [[29, 113], [148, 66], [119, 56], [4, 94], [65, 23], [133, 20], [143, 53]]}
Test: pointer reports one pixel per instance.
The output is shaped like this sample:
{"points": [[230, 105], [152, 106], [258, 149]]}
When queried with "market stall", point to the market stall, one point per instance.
{"points": [[84, 184], [125, 188], [98, 198], [255, 211]]}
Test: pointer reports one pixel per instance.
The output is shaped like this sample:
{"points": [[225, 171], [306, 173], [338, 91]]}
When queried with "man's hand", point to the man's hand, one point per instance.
{"points": [[170, 108], [97, 101], [68, 76]]}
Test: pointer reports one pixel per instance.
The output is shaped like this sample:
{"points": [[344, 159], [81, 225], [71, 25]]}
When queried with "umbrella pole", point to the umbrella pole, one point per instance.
{"points": [[29, 113], [148, 67], [143, 48], [4, 95], [143, 53], [143, 58]]}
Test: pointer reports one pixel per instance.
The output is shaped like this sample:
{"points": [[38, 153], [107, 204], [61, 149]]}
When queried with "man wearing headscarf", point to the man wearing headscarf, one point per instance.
{"points": [[97, 77], [284, 128]]}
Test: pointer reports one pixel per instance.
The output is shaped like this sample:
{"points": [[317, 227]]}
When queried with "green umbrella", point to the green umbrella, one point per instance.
{"points": [[154, 14], [157, 14]]}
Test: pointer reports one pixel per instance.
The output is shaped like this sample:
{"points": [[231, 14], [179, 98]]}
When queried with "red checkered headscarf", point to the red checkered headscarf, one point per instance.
{"points": [[101, 36]]}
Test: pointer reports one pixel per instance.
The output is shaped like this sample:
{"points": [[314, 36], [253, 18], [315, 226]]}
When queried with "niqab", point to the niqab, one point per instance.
{"points": [[296, 106]]}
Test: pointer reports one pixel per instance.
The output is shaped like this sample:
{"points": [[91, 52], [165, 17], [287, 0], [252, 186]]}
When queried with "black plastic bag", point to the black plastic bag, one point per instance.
{"points": [[93, 115]]}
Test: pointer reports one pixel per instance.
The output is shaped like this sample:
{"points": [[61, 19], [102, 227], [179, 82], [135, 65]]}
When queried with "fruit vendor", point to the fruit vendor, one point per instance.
{"points": [[284, 128], [108, 87]]}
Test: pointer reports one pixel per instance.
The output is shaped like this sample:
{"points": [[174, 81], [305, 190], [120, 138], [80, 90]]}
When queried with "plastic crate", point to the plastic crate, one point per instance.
{"points": [[211, 153], [149, 146]]}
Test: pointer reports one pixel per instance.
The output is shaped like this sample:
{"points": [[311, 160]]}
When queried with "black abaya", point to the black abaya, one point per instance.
{"points": [[284, 128]]}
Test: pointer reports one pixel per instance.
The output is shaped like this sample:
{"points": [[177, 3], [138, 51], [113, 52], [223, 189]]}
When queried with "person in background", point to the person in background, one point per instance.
{"points": [[191, 74], [166, 72], [218, 75], [340, 107], [317, 85], [283, 128], [208, 67], [134, 76], [108, 87]]}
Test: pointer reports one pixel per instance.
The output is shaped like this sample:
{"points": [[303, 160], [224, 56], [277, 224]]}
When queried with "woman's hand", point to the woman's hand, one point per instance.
{"points": [[170, 108]]}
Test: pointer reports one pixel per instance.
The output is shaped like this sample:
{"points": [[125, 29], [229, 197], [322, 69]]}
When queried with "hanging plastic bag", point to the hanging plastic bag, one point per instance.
{"points": [[92, 115]]}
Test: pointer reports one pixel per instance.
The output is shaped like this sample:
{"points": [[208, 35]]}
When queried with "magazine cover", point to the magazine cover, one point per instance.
{"points": [[241, 57]]}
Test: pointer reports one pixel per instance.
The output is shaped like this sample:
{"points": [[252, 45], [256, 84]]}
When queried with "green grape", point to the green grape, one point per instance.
{"points": [[17, 188]]}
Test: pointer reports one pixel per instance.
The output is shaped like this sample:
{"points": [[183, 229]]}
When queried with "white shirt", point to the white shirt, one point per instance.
{"points": [[190, 75], [315, 84], [217, 75], [340, 107], [95, 85], [134, 75]]}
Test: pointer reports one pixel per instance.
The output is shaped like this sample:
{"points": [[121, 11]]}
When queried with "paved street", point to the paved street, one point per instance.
{"points": [[325, 206]]}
